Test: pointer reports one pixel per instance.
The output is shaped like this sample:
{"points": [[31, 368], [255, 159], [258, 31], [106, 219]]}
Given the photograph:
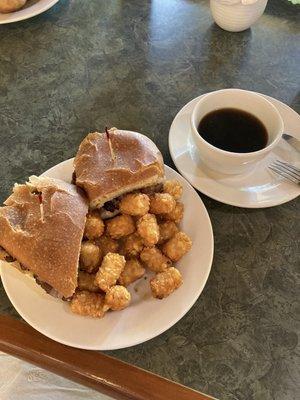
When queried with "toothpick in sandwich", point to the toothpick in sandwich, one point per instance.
{"points": [[113, 156]]}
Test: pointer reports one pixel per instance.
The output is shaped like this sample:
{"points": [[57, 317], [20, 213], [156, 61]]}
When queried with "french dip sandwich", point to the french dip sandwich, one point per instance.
{"points": [[88, 240], [7, 6], [111, 164], [41, 229]]}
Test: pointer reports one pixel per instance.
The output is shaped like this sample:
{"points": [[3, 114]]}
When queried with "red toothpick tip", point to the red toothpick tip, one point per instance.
{"points": [[107, 133], [40, 198]]}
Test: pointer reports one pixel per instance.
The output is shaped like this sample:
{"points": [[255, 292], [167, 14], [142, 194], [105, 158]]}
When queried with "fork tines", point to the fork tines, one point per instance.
{"points": [[286, 170]]}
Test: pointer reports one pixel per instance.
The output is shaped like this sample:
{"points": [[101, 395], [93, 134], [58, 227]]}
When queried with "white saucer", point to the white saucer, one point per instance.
{"points": [[31, 8], [146, 317], [257, 189]]}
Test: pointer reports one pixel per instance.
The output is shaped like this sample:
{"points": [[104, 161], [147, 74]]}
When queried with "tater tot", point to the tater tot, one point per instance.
{"points": [[94, 226], [107, 245], [88, 304], [117, 298], [177, 246], [148, 229], [133, 271], [136, 204], [174, 188], [166, 231], [87, 282], [120, 226], [90, 256], [162, 203], [154, 259], [164, 283], [132, 245], [176, 215], [110, 271]]}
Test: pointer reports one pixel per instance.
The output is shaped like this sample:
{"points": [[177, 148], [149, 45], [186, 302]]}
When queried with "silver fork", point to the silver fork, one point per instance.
{"points": [[286, 170]]}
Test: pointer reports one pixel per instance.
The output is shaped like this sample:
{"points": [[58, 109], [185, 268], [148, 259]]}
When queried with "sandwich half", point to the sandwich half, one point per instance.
{"points": [[41, 230], [111, 164], [8, 6]]}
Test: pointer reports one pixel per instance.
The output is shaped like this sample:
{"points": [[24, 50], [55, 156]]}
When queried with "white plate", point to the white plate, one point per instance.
{"points": [[257, 189], [31, 8], [146, 317]]}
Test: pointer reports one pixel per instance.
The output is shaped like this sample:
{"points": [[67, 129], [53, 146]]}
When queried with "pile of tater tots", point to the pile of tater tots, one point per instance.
{"points": [[118, 251]]}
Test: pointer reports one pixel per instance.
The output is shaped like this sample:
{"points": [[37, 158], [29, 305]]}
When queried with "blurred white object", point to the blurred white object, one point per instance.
{"points": [[22, 381], [237, 15]]}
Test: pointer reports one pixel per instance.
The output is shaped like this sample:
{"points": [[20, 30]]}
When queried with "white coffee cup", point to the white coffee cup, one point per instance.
{"points": [[229, 162]]}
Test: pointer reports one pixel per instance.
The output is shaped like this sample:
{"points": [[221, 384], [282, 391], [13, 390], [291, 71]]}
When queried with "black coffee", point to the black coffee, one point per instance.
{"points": [[233, 130]]}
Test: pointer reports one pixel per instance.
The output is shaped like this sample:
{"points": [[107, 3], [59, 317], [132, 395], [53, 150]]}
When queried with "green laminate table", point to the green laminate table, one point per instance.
{"points": [[133, 64]]}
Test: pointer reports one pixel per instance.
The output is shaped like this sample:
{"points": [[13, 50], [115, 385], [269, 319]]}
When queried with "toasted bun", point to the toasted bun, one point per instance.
{"points": [[7, 6], [41, 227], [107, 170]]}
